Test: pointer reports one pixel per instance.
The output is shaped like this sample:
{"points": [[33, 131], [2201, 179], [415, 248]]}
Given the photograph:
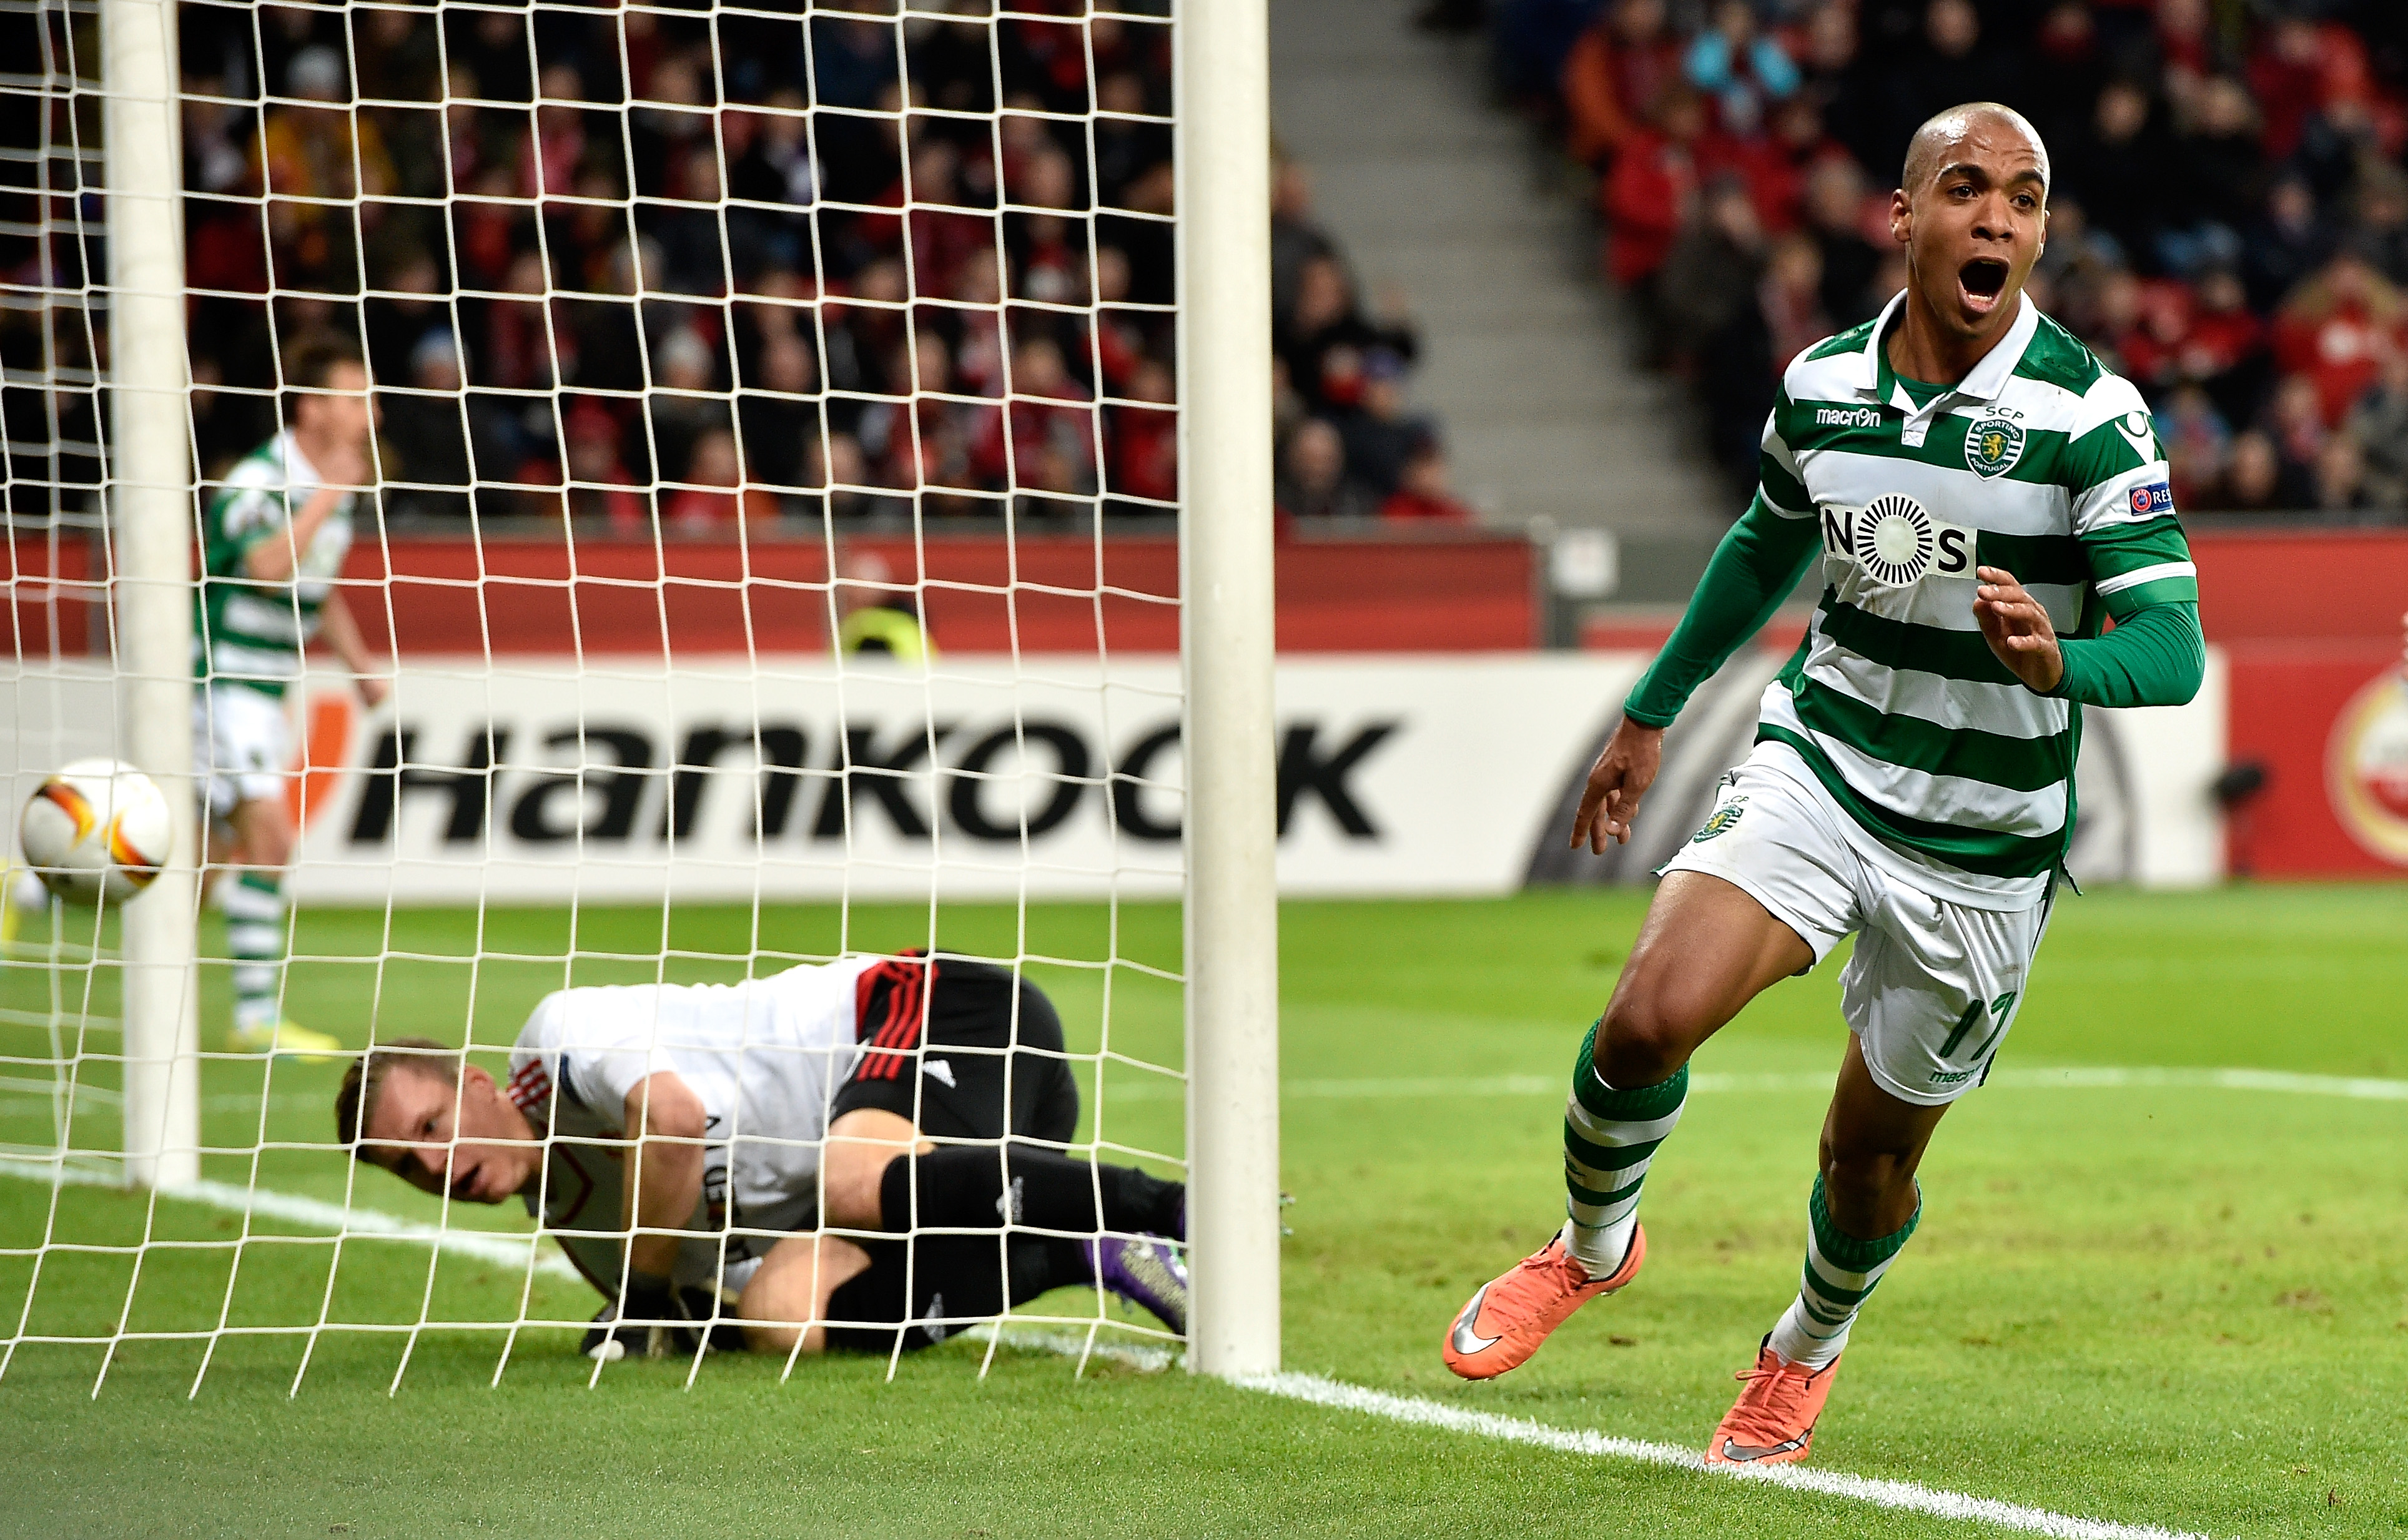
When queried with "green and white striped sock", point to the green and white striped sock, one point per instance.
{"points": [[254, 910], [1610, 1137], [1840, 1272]]}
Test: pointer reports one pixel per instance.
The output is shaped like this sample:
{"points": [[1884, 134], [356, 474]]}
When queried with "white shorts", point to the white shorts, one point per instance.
{"points": [[242, 745], [1933, 985]]}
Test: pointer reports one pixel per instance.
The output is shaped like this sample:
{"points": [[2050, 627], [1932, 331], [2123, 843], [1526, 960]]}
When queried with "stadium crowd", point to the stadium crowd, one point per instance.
{"points": [[682, 268], [2228, 225], [629, 264]]}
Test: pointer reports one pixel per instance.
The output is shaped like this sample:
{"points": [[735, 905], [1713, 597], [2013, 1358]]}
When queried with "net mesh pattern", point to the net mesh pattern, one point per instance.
{"points": [[765, 557]]}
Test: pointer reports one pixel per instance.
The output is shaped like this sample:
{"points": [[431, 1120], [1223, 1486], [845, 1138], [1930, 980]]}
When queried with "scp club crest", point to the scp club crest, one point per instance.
{"points": [[1993, 445]]}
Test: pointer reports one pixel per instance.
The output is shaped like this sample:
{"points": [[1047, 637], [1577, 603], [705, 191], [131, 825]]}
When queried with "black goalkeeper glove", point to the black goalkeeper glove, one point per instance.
{"points": [[662, 1322]]}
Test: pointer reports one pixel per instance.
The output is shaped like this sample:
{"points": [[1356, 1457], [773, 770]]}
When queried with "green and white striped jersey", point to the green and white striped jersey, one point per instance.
{"points": [[2041, 461], [252, 633]]}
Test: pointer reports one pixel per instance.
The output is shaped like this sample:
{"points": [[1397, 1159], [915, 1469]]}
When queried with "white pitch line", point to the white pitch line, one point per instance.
{"points": [[499, 1248], [510, 1251], [2069, 1077], [1907, 1495]]}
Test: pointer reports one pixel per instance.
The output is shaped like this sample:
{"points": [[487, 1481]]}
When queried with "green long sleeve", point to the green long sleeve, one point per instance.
{"points": [[1755, 567], [2155, 656]]}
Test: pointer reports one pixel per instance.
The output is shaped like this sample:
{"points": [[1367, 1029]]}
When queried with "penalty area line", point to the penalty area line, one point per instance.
{"points": [[1907, 1496]]}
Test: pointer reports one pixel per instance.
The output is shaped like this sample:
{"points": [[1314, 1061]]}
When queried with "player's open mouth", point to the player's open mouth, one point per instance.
{"points": [[1982, 281]]}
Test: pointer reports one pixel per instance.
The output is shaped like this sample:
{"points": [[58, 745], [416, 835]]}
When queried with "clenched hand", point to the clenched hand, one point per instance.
{"points": [[2018, 629]]}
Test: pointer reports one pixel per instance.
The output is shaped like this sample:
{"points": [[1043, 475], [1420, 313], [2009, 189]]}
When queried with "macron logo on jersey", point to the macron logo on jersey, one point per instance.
{"points": [[2156, 497], [1847, 417]]}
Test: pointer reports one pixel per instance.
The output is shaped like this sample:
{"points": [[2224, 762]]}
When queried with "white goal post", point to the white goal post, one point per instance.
{"points": [[153, 491], [147, 496], [1225, 644]]}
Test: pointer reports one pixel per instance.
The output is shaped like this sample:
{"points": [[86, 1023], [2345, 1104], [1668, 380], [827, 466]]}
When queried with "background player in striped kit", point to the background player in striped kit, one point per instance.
{"points": [[1979, 492], [272, 545], [780, 1128]]}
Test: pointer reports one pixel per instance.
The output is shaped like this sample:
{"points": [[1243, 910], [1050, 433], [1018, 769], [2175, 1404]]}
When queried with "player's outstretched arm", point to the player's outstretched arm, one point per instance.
{"points": [[1755, 567], [1616, 781]]}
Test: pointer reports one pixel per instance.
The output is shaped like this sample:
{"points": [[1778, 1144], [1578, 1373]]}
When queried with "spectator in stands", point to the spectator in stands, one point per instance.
{"points": [[2223, 350], [2261, 479], [647, 323], [2218, 181], [1614, 76], [1652, 190], [1296, 238], [310, 154], [1425, 493], [1326, 337], [1145, 443], [427, 435], [600, 489], [2334, 328], [780, 415], [2198, 445], [2339, 474], [1791, 295], [1837, 207], [1312, 483], [2379, 425], [1380, 435], [1051, 424], [2117, 169], [2382, 233], [2288, 244], [699, 508], [1707, 295], [1740, 70], [2295, 422], [684, 405]]}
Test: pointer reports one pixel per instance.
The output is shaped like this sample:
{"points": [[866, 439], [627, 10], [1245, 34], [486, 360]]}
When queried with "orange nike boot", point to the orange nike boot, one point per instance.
{"points": [[1510, 1315], [1773, 1422]]}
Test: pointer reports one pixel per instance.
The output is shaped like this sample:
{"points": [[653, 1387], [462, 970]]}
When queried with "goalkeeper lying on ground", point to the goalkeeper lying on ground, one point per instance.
{"points": [[759, 1120]]}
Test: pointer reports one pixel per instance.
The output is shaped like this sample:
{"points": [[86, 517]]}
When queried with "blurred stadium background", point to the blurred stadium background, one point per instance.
{"points": [[1537, 265]]}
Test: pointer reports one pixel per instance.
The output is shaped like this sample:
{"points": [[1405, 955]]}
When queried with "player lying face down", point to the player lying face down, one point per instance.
{"points": [[751, 1154]]}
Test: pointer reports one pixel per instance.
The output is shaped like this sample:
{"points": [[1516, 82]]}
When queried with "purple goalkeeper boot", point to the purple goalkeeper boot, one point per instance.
{"points": [[1145, 1271]]}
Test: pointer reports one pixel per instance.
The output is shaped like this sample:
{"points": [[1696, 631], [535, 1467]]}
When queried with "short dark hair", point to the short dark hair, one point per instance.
{"points": [[311, 361], [363, 1080]]}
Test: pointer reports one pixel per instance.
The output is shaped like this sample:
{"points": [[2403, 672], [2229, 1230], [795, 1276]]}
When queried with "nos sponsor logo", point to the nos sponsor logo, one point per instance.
{"points": [[1896, 542]]}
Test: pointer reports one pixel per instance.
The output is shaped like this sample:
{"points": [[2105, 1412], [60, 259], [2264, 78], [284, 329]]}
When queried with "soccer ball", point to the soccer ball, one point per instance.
{"points": [[96, 832]]}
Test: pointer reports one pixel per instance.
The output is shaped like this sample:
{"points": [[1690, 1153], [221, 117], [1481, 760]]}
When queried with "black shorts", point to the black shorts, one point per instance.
{"points": [[966, 1051], [963, 1049]]}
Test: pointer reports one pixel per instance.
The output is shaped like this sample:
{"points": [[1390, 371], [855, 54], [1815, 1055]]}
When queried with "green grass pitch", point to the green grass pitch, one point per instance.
{"points": [[2168, 1305]]}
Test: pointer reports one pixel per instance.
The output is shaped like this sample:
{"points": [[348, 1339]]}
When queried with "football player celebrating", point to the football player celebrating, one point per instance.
{"points": [[696, 1150], [273, 543], [1978, 491]]}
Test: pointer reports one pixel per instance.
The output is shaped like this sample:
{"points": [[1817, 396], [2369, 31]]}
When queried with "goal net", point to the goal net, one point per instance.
{"points": [[761, 547]]}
